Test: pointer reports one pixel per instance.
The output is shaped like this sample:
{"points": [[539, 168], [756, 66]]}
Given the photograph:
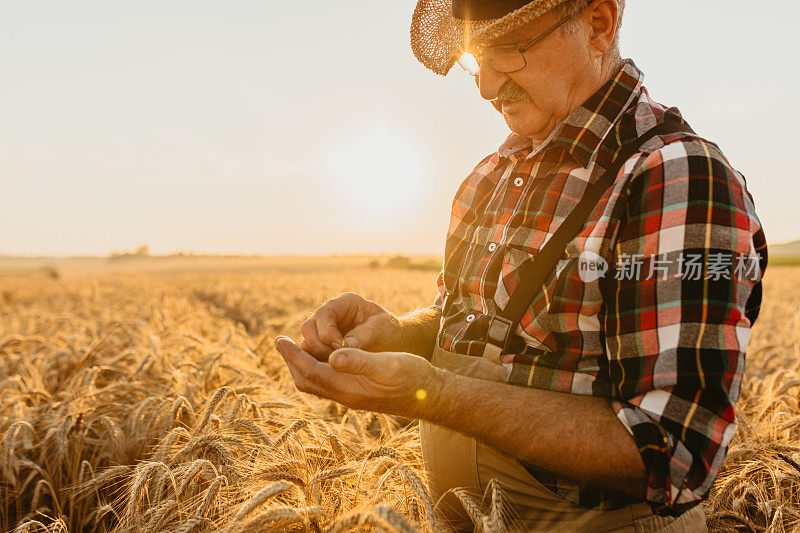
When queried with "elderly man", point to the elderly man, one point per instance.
{"points": [[601, 274]]}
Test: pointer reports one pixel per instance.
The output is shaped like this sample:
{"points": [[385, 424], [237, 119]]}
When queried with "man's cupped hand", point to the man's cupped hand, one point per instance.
{"points": [[388, 382]]}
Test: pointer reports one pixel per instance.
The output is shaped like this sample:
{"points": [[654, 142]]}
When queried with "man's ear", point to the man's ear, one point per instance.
{"points": [[601, 16]]}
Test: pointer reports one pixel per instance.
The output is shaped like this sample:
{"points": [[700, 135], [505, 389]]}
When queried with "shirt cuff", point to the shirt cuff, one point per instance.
{"points": [[666, 460]]}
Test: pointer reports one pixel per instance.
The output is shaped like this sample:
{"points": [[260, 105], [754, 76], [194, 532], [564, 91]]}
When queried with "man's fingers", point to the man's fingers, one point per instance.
{"points": [[328, 330], [301, 364], [309, 374], [313, 344], [327, 321], [295, 358], [362, 336], [335, 315], [322, 332]]}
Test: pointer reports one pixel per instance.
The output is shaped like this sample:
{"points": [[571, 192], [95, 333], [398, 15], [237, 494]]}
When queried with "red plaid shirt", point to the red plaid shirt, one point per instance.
{"points": [[663, 332]]}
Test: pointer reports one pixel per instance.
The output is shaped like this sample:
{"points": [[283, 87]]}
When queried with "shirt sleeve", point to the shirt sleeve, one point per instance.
{"points": [[681, 296]]}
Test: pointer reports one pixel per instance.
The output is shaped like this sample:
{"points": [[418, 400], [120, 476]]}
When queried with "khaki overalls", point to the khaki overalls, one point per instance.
{"points": [[454, 459]]}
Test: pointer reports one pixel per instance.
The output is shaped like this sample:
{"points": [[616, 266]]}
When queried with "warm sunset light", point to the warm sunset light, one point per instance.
{"points": [[375, 175], [311, 266]]}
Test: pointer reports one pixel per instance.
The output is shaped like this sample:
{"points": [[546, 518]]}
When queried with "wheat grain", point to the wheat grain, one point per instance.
{"points": [[262, 496]]}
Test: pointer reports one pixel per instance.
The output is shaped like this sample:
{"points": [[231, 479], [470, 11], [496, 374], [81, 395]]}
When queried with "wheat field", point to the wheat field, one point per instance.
{"points": [[143, 402]]}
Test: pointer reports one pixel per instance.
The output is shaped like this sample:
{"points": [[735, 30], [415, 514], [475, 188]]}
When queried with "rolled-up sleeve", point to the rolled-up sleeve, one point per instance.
{"points": [[680, 301]]}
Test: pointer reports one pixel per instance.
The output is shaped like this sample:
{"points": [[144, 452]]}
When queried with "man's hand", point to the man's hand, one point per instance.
{"points": [[578, 437], [395, 383], [362, 323]]}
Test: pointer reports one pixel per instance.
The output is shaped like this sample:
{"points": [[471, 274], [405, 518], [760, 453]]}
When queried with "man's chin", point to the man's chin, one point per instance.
{"points": [[518, 115], [519, 125]]}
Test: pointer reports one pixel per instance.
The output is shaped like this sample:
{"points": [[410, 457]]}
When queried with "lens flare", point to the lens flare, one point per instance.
{"points": [[469, 63]]}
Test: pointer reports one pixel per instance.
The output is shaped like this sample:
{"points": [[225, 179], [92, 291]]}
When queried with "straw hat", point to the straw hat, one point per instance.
{"points": [[441, 30]]}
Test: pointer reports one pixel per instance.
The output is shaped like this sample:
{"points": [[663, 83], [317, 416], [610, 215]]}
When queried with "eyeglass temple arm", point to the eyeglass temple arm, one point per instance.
{"points": [[547, 32], [554, 27]]}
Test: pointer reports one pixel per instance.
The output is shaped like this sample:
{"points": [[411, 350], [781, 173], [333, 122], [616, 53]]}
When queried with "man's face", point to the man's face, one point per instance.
{"points": [[535, 99]]}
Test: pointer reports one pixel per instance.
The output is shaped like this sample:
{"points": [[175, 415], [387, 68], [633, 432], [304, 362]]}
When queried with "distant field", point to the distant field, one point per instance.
{"points": [[153, 400], [784, 260], [171, 264]]}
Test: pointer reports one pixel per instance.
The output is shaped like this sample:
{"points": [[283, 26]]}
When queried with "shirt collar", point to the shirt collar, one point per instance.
{"points": [[581, 133]]}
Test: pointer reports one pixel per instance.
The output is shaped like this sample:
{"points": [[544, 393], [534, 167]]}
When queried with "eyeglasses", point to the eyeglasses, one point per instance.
{"points": [[505, 58]]}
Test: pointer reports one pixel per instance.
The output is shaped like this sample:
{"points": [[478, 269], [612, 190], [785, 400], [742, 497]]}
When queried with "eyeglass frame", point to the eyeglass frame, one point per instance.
{"points": [[521, 48]]}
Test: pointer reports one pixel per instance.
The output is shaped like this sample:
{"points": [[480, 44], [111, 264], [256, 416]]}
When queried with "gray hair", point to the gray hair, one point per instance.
{"points": [[571, 8]]}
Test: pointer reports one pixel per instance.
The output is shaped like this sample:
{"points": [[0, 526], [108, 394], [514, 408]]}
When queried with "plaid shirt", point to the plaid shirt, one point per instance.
{"points": [[663, 332]]}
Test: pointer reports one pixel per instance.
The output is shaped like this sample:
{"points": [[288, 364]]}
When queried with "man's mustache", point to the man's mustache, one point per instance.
{"points": [[510, 92]]}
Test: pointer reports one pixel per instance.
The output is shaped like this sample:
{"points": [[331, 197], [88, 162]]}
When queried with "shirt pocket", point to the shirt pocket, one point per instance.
{"points": [[510, 280]]}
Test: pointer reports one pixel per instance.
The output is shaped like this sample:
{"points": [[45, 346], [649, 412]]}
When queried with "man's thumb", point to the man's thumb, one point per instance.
{"points": [[353, 361]]}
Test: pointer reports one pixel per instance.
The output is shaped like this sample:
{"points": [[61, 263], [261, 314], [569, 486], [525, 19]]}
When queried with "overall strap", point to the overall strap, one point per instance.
{"points": [[533, 273]]}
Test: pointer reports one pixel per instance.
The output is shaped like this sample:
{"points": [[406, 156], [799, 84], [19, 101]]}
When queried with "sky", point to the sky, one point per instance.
{"points": [[257, 126]]}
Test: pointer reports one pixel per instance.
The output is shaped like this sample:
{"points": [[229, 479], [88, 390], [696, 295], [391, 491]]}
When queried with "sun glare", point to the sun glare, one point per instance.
{"points": [[469, 63], [378, 172]]}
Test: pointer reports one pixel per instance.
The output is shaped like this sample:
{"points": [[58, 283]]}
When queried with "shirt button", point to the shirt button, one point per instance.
{"points": [[470, 318], [518, 182], [492, 247]]}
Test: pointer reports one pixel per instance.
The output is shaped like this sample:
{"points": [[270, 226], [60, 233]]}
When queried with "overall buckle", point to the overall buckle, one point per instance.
{"points": [[497, 335]]}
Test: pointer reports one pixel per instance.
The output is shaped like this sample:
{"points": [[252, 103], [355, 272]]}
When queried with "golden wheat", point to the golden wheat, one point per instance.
{"points": [[144, 402]]}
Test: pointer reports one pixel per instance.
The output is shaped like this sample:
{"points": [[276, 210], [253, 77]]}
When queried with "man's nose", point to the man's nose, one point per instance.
{"points": [[489, 82]]}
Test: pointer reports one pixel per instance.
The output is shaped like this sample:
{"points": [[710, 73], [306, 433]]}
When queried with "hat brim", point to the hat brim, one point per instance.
{"points": [[438, 38]]}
